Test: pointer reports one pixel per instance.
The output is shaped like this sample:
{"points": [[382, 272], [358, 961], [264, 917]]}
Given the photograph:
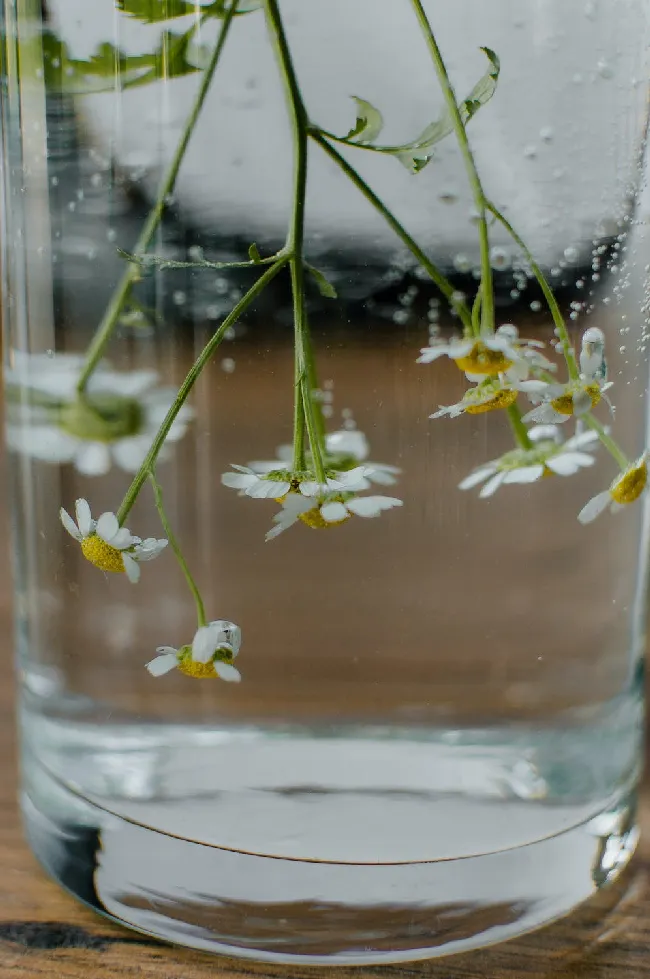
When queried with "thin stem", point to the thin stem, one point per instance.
{"points": [[130, 274], [476, 312], [468, 159], [518, 427], [617, 453], [189, 382], [192, 585], [146, 262], [443, 284], [558, 319], [295, 236]]}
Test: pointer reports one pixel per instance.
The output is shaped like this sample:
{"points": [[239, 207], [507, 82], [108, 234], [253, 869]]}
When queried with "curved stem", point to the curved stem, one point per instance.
{"points": [[487, 308], [173, 543], [445, 286], [130, 274], [617, 453], [189, 382], [551, 301], [295, 242]]}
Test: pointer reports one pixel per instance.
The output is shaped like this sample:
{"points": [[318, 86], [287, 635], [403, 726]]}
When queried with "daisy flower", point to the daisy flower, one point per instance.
{"points": [[210, 654], [328, 511], [559, 402], [490, 395], [344, 450], [626, 488], [548, 456], [107, 545], [277, 483], [490, 355], [114, 422]]}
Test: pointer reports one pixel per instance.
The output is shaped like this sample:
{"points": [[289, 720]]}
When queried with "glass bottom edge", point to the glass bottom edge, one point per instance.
{"points": [[308, 912]]}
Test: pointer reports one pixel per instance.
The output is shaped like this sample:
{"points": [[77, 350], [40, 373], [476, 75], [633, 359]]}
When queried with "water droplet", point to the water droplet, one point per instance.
{"points": [[195, 253], [96, 180], [221, 286], [54, 181], [530, 152], [457, 297], [230, 333], [462, 263], [179, 298], [580, 284], [500, 258], [535, 305], [514, 294], [111, 234], [401, 316], [604, 69], [228, 365], [546, 134], [347, 413], [572, 254]]}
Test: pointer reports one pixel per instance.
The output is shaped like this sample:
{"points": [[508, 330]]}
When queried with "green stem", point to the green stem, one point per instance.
{"points": [[158, 261], [558, 319], [476, 312], [443, 284], [295, 236], [617, 453], [189, 382], [173, 543], [114, 308], [518, 427], [470, 164]]}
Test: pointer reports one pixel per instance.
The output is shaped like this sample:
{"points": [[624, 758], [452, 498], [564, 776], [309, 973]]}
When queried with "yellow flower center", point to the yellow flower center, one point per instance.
{"points": [[502, 399], [101, 554], [313, 518], [482, 360], [564, 404], [631, 485], [200, 671]]}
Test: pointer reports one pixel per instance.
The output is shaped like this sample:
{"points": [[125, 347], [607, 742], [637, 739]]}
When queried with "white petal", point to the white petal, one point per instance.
{"points": [[226, 671], [479, 476], [132, 568], [238, 480], [122, 539], [459, 348], [203, 644], [581, 440], [279, 528], [265, 467], [129, 453], [107, 527], [383, 476], [568, 463], [268, 489], [130, 384], [149, 549], [232, 634], [532, 387], [429, 354], [70, 525], [309, 487], [332, 512], [93, 459], [616, 507], [352, 443], [526, 474], [85, 522], [166, 649], [371, 506], [581, 403], [491, 486], [451, 410], [354, 479], [162, 664], [44, 442], [544, 415], [594, 507]]}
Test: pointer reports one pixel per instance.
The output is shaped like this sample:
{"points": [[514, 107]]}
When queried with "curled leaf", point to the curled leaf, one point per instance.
{"points": [[325, 287], [254, 254], [416, 153], [369, 124]]}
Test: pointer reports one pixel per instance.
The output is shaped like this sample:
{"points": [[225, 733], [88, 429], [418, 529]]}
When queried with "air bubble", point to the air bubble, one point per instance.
{"points": [[401, 316], [228, 365], [530, 152], [500, 258], [546, 134], [462, 263], [571, 253], [535, 305], [195, 253], [221, 286], [179, 298], [230, 333], [604, 69]]}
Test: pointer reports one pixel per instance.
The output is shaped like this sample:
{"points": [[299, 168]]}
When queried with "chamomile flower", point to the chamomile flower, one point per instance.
{"points": [[490, 395], [560, 402], [328, 510], [277, 483], [548, 456], [344, 450], [114, 422], [107, 545], [626, 488], [492, 354], [209, 655]]}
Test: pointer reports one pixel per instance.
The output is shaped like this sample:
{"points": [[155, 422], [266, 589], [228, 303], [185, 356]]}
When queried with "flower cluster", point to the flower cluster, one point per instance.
{"points": [[209, 655]]}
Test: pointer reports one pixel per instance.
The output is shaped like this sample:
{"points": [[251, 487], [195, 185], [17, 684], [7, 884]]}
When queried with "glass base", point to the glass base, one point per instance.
{"points": [[146, 856]]}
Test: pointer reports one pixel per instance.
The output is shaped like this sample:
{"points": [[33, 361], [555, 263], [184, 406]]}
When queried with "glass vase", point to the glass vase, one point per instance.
{"points": [[278, 699]]}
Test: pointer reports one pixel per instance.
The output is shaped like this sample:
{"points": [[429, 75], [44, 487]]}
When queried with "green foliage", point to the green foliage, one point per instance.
{"points": [[325, 287], [254, 254], [418, 152], [156, 11], [109, 68]]}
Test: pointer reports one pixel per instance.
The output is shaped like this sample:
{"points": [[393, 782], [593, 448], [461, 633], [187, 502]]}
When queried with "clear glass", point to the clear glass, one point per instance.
{"points": [[435, 743]]}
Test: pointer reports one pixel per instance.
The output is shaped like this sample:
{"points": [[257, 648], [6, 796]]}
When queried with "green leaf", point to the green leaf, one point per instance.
{"points": [[369, 124], [325, 287], [109, 68], [155, 11], [254, 255], [418, 152]]}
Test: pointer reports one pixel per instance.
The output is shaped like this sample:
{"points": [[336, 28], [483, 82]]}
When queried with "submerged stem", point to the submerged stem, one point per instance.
{"points": [[131, 272], [189, 382], [173, 543], [518, 427], [487, 306]]}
